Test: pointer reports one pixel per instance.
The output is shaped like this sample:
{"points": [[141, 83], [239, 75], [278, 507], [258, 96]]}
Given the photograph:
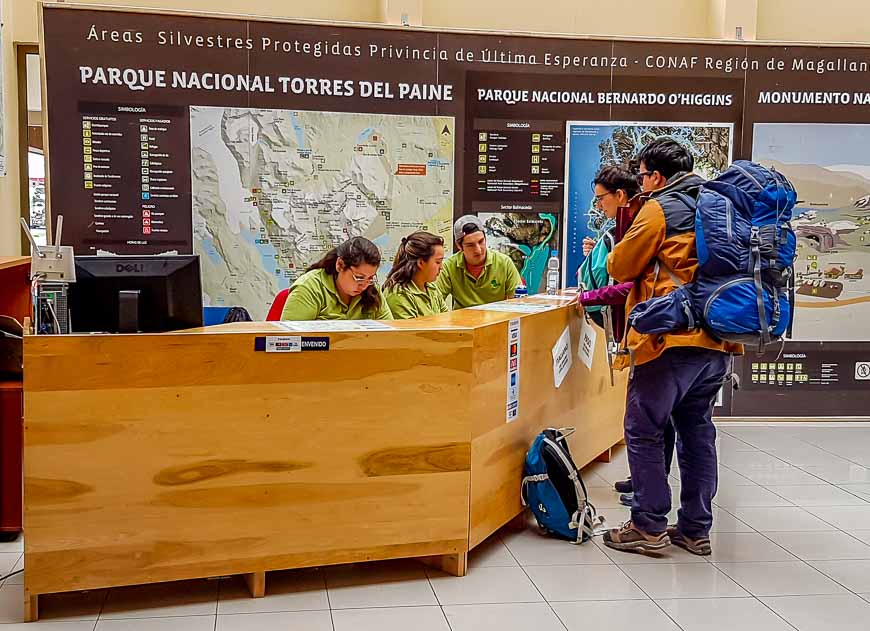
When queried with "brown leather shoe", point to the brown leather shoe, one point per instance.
{"points": [[629, 538], [700, 547]]}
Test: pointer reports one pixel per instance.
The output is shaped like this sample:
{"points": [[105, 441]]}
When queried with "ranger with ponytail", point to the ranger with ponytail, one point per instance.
{"points": [[409, 288]]}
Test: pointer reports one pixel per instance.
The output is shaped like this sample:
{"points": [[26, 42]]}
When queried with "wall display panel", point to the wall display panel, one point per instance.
{"points": [[257, 143], [805, 379], [592, 146], [830, 169]]}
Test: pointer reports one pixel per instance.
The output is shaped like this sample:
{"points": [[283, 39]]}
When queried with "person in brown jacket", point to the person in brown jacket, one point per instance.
{"points": [[675, 376]]}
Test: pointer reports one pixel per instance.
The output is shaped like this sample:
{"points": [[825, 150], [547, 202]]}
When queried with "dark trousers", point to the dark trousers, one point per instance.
{"points": [[679, 387], [670, 438]]}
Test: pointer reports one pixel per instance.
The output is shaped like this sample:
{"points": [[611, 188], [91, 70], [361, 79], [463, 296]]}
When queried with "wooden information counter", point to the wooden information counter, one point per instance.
{"points": [[187, 455]]}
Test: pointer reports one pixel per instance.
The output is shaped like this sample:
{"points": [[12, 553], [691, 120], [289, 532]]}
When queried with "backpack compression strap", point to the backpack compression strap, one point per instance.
{"points": [[755, 265], [585, 519]]}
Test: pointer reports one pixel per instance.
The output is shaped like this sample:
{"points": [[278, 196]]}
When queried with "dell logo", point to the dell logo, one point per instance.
{"points": [[129, 267]]}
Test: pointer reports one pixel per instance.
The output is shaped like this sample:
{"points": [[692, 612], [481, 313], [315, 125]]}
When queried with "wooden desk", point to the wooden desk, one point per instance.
{"points": [[15, 302], [189, 455], [15, 286]]}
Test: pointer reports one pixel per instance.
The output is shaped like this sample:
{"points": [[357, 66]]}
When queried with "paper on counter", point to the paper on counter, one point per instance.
{"points": [[514, 307], [335, 325], [562, 360], [561, 297]]}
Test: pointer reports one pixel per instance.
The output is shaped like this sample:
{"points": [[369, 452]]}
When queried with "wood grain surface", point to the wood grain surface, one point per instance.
{"points": [[190, 454]]}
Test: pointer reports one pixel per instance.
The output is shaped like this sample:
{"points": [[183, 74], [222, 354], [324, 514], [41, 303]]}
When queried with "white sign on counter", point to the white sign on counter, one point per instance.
{"points": [[562, 360], [586, 348]]}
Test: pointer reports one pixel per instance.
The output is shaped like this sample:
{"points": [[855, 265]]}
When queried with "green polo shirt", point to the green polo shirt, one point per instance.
{"points": [[314, 297], [409, 301], [498, 281]]}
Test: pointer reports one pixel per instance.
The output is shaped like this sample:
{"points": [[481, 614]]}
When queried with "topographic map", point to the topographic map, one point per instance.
{"points": [[528, 239], [273, 190], [593, 145], [829, 167]]}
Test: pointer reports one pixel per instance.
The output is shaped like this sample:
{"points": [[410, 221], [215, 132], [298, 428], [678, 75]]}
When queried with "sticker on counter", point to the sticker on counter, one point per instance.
{"points": [[586, 348], [283, 344], [513, 372], [862, 371], [562, 360], [290, 344]]}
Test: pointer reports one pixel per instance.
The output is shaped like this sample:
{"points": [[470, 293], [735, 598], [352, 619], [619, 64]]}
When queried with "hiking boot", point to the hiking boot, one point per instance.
{"points": [[626, 498], [629, 538], [700, 547], [623, 486]]}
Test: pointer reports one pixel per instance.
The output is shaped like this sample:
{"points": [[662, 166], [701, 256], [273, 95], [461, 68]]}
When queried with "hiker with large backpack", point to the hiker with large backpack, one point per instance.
{"points": [[675, 375], [614, 188]]}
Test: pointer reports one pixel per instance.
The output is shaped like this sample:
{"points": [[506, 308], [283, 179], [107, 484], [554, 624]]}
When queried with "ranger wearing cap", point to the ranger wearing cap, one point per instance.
{"points": [[476, 275]]}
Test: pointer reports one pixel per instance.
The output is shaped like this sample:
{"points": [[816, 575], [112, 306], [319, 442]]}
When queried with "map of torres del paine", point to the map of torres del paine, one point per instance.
{"points": [[273, 190]]}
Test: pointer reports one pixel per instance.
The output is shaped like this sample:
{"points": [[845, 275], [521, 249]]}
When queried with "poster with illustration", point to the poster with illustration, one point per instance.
{"points": [[830, 168], [528, 239], [593, 145]]}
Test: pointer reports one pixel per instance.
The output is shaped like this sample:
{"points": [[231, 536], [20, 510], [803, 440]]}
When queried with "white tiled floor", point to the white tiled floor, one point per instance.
{"points": [[791, 543]]}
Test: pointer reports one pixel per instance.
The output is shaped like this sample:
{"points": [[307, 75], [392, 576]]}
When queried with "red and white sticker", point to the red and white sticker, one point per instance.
{"points": [[513, 372], [284, 344]]}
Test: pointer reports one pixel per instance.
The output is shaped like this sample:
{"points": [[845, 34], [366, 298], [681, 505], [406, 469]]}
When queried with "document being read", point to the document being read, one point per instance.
{"points": [[311, 326]]}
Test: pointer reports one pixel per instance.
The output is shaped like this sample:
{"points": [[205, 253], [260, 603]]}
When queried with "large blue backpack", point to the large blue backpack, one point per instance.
{"points": [[554, 491], [744, 287]]}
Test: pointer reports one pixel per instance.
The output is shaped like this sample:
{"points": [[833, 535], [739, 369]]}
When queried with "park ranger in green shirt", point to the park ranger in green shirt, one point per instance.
{"points": [[340, 286], [409, 289], [476, 275]]}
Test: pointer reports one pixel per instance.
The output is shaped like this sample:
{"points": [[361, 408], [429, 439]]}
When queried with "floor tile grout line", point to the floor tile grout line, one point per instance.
{"points": [[821, 480], [325, 572], [535, 585], [103, 605], [443, 613], [217, 603], [823, 573], [852, 493], [827, 451], [650, 599], [809, 565], [822, 519]]}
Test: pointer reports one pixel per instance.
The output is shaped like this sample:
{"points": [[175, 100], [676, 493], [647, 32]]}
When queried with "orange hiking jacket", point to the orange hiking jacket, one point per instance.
{"points": [[663, 230]]}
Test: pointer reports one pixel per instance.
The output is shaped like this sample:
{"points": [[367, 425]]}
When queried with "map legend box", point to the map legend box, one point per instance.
{"points": [[120, 145], [516, 150]]}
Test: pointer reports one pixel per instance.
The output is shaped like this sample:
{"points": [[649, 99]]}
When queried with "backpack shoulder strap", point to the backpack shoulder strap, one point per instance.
{"points": [[687, 199]]}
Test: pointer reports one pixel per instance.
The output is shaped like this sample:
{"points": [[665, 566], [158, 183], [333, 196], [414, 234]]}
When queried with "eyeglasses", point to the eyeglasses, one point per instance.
{"points": [[596, 201], [643, 174], [364, 280]]}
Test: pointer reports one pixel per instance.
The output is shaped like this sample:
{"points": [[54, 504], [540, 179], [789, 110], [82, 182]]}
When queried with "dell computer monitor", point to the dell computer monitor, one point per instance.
{"points": [[131, 294]]}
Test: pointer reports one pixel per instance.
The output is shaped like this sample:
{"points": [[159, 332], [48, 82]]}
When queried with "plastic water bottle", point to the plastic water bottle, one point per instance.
{"points": [[553, 273]]}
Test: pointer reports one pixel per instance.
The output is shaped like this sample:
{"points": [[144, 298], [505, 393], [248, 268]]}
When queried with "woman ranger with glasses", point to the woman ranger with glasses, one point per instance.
{"points": [[410, 288], [343, 285], [614, 188]]}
